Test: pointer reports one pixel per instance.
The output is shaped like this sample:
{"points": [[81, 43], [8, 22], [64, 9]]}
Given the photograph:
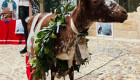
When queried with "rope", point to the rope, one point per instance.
{"points": [[101, 66]]}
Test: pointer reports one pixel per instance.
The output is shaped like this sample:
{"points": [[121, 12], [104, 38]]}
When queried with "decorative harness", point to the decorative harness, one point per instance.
{"points": [[34, 33], [79, 35]]}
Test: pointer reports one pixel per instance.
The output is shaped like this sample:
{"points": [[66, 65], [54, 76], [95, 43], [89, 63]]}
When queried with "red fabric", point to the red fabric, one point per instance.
{"points": [[27, 58], [29, 69], [7, 33]]}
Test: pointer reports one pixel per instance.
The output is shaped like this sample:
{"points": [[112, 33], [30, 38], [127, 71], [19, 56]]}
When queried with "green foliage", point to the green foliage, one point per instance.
{"points": [[44, 50]]}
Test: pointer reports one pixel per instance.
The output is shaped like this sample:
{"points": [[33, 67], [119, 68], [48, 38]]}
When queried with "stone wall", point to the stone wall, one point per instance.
{"points": [[130, 29]]}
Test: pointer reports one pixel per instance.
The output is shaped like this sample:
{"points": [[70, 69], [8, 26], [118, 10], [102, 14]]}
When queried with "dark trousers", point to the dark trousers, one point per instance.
{"points": [[23, 14]]}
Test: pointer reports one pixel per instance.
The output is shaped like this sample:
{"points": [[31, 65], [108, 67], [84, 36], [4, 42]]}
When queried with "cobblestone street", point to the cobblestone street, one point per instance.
{"points": [[118, 60]]}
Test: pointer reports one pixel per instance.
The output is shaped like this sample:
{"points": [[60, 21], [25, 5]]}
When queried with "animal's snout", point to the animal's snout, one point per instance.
{"points": [[124, 12]]}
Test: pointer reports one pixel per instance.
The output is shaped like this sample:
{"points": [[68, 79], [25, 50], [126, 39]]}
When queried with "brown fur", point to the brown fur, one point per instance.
{"points": [[87, 12]]}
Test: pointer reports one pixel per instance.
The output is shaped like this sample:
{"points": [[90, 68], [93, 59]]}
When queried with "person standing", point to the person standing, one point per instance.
{"points": [[23, 14]]}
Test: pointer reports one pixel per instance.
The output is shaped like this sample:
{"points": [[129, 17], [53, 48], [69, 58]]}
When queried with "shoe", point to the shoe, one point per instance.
{"points": [[23, 51]]}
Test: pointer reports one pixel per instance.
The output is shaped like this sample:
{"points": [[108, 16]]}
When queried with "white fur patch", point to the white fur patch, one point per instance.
{"points": [[67, 56], [108, 4], [84, 51]]}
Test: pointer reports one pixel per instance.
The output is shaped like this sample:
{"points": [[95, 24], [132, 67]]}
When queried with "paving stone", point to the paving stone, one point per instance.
{"points": [[125, 67]]}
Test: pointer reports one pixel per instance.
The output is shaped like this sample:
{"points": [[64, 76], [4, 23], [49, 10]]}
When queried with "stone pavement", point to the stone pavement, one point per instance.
{"points": [[125, 67]]}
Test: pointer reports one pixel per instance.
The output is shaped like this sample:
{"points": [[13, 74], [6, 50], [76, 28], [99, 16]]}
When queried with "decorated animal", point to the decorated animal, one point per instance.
{"points": [[66, 47]]}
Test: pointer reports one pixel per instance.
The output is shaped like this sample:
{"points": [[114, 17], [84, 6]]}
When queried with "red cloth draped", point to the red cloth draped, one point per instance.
{"points": [[29, 68], [7, 33]]}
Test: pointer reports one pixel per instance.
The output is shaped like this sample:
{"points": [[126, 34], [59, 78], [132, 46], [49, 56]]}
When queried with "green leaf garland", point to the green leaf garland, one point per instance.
{"points": [[44, 50]]}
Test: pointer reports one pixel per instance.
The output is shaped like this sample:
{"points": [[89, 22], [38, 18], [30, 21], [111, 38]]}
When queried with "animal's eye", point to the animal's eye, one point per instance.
{"points": [[95, 2]]}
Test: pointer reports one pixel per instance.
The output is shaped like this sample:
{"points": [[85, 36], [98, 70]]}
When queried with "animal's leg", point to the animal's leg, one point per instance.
{"points": [[71, 73], [53, 72]]}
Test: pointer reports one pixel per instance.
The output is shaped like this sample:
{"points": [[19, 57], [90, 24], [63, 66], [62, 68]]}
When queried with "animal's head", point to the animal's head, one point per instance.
{"points": [[103, 10]]}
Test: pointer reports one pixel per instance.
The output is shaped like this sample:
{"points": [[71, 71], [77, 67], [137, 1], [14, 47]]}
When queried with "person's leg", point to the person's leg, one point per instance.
{"points": [[24, 13]]}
